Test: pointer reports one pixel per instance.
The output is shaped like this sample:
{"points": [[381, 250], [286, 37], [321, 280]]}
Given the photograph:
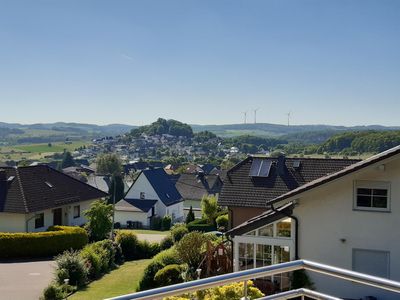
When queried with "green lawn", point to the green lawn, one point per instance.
{"points": [[56, 147], [123, 280]]}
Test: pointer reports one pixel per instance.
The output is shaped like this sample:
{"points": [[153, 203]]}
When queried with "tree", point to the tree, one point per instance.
{"points": [[116, 181], [209, 208], [190, 216], [67, 160], [109, 164], [191, 249], [99, 222]]}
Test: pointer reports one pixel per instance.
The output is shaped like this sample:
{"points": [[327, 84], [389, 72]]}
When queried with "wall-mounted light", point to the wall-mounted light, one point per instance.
{"points": [[343, 240]]}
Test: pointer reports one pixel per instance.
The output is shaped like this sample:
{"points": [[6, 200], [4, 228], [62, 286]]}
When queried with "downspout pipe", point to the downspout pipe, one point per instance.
{"points": [[296, 229]]}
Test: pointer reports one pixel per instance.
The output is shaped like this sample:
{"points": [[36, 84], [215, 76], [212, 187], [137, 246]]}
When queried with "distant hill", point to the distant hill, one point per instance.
{"points": [[267, 129]]}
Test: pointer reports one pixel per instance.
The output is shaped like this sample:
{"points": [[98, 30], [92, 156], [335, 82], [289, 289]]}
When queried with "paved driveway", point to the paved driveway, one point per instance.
{"points": [[25, 280], [151, 237]]}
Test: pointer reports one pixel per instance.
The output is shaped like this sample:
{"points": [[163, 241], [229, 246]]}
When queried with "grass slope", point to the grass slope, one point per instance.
{"points": [[123, 280]]}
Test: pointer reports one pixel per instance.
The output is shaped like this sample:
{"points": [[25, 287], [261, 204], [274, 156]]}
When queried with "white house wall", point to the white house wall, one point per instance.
{"points": [[124, 216], [12, 222], [142, 185], [329, 229]]}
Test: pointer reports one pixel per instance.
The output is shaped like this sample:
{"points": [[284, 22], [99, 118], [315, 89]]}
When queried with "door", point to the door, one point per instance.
{"points": [[57, 216]]}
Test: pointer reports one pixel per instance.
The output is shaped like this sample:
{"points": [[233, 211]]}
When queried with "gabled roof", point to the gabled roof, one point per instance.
{"points": [[100, 182], [263, 219], [36, 188], [138, 205], [350, 169], [242, 190], [194, 187], [163, 186]]}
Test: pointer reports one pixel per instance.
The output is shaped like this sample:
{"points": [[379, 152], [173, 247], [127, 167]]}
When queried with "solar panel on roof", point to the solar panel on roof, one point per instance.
{"points": [[260, 167]]}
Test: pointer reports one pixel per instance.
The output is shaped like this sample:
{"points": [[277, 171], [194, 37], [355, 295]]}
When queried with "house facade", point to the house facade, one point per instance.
{"points": [[347, 219], [152, 188], [36, 197]]}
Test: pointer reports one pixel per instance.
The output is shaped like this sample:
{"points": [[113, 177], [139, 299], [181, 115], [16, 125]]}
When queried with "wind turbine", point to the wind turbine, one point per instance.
{"points": [[255, 115], [288, 118], [245, 116]]}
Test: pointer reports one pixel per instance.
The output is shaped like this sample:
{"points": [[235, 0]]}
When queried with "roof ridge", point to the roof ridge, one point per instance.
{"points": [[21, 189]]}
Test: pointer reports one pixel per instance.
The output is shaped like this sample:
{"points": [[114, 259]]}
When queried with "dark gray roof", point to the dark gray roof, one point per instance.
{"points": [[194, 187], [161, 183], [242, 190], [263, 219], [352, 168], [140, 205], [35, 188]]}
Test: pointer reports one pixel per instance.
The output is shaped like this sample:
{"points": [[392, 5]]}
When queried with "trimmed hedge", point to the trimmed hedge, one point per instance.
{"points": [[201, 225], [42, 244]]}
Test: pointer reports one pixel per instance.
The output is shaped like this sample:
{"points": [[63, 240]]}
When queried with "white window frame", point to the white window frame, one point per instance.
{"points": [[368, 184], [79, 211], [372, 251], [37, 216]]}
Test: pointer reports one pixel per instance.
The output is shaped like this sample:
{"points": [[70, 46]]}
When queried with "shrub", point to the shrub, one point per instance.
{"points": [[155, 223], [209, 208], [132, 248], [129, 244], [99, 223], [166, 242], [191, 249], [162, 259], [222, 222], [201, 225], [53, 292], [70, 265], [190, 216], [99, 258], [166, 222], [178, 231], [42, 244], [168, 275], [232, 291]]}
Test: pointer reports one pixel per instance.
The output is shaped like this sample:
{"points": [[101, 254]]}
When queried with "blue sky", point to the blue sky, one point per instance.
{"points": [[201, 62]]}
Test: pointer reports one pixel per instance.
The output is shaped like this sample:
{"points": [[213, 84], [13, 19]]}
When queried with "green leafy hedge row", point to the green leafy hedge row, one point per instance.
{"points": [[42, 244], [201, 225]]}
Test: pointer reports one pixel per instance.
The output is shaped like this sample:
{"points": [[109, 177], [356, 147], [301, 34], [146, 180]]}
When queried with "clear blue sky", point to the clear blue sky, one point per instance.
{"points": [[204, 62]]}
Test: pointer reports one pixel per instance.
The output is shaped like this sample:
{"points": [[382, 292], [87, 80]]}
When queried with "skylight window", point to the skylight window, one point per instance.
{"points": [[260, 167], [296, 164], [48, 184]]}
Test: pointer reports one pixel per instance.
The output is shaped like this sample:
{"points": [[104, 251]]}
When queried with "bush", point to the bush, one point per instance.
{"points": [[166, 222], [191, 249], [190, 216], [70, 265], [132, 248], [53, 292], [166, 242], [129, 244], [42, 244], [222, 222], [232, 291], [99, 224], [99, 258], [155, 223], [178, 231], [168, 275], [201, 225], [162, 259]]}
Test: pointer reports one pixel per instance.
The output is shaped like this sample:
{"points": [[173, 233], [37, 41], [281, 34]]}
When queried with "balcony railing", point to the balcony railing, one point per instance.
{"points": [[210, 282]]}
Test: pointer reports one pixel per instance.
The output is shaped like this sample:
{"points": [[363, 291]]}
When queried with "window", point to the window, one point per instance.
{"points": [[246, 256], [263, 255], [372, 196], [77, 211], [39, 220], [283, 228], [372, 262], [266, 230], [142, 195]]}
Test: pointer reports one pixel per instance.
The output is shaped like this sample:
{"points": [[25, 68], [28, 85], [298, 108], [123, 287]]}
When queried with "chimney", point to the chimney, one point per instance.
{"points": [[281, 166], [3, 175]]}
